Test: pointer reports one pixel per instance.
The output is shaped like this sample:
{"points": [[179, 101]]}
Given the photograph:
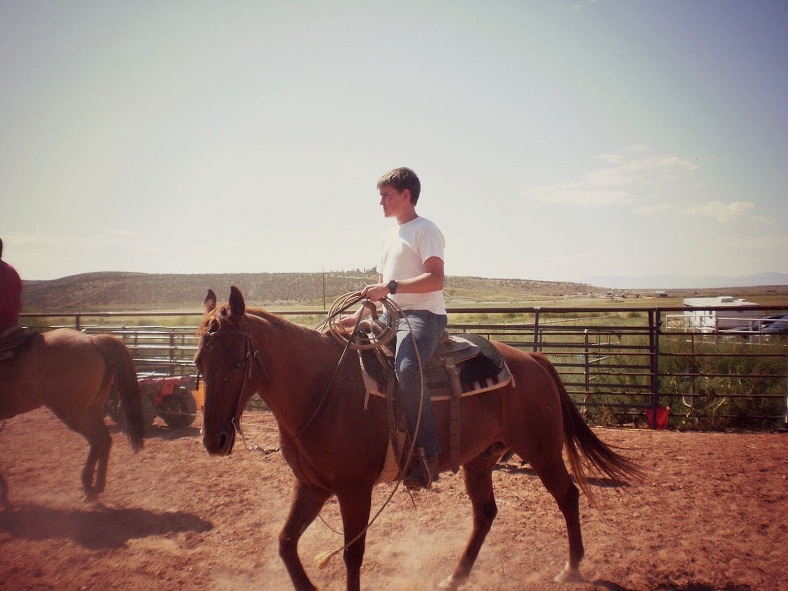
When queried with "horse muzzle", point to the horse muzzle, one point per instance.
{"points": [[220, 443]]}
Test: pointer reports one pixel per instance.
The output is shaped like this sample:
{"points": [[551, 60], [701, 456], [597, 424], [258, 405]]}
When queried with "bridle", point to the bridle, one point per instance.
{"points": [[250, 351]]}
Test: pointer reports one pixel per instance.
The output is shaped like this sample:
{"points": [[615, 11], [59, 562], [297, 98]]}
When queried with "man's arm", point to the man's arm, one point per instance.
{"points": [[432, 279]]}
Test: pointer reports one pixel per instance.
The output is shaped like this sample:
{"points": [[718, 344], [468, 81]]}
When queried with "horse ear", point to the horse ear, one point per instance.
{"points": [[210, 302], [237, 304]]}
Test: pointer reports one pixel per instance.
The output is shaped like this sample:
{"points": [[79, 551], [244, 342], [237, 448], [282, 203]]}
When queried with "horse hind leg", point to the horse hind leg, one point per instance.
{"points": [[93, 429], [104, 446], [97, 463], [478, 483], [556, 480]]}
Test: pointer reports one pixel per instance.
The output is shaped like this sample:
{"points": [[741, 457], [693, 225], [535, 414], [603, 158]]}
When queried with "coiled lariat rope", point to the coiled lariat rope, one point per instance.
{"points": [[363, 340]]}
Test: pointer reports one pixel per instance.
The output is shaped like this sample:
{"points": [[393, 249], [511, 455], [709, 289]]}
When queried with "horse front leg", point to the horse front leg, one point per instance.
{"points": [[478, 484], [355, 507], [305, 507]]}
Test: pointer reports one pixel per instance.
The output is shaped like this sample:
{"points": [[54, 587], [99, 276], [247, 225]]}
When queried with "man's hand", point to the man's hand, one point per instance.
{"points": [[350, 322], [375, 292]]}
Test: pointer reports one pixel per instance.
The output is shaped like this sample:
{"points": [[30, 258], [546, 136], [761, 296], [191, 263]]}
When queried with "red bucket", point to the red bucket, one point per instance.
{"points": [[663, 414]]}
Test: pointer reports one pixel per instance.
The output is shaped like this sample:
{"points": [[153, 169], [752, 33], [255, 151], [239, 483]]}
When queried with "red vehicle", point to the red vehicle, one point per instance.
{"points": [[169, 397]]}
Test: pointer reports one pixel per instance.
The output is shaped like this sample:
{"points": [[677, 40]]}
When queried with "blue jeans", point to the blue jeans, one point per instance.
{"points": [[427, 329]]}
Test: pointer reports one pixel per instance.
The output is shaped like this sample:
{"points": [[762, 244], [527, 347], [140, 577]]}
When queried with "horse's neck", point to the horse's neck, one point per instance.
{"points": [[297, 367]]}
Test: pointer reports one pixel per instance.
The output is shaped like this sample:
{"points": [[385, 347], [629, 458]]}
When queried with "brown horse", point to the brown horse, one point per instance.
{"points": [[335, 446], [71, 373]]}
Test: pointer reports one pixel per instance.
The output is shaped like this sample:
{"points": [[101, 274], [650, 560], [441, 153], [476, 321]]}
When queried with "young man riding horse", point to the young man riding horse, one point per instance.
{"points": [[410, 269]]}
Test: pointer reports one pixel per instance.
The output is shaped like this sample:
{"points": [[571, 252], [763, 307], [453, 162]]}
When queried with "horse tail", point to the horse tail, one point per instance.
{"points": [[583, 448], [120, 365]]}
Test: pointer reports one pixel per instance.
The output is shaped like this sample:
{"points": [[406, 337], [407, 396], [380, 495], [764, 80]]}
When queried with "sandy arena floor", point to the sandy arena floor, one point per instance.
{"points": [[711, 516]]}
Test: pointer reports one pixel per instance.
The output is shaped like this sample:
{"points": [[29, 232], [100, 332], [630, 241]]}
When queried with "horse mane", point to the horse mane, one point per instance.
{"points": [[284, 324], [221, 317]]}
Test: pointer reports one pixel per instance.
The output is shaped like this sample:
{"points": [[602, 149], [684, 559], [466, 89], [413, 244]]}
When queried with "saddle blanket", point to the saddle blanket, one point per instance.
{"points": [[441, 390], [476, 381]]}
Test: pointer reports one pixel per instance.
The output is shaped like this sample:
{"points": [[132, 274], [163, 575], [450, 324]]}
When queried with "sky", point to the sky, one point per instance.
{"points": [[558, 140]]}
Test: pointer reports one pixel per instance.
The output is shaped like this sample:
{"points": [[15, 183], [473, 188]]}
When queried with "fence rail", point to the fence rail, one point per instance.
{"points": [[619, 364]]}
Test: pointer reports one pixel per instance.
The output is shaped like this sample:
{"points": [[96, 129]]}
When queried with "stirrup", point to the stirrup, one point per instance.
{"points": [[423, 472]]}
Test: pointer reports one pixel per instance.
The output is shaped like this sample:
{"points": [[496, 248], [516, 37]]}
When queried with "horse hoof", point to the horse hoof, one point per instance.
{"points": [[450, 583], [570, 575]]}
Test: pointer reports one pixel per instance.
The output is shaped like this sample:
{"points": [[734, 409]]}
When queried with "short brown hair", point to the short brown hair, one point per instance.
{"points": [[402, 178]]}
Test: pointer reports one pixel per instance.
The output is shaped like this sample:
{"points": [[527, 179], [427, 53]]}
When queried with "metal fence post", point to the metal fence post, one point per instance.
{"points": [[654, 323], [536, 329], [172, 354], [586, 375]]}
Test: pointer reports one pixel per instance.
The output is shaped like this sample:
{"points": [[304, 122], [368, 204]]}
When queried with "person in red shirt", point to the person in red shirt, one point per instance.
{"points": [[10, 294]]}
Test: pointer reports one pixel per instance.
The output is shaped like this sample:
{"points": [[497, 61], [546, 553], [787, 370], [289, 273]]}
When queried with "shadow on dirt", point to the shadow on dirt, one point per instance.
{"points": [[702, 587], [610, 586], [100, 528], [163, 432], [167, 434]]}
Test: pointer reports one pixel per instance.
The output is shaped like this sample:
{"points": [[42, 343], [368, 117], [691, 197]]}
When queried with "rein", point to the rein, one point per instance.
{"points": [[393, 313]]}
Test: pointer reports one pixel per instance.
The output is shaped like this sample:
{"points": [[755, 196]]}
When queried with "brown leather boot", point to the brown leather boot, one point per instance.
{"points": [[423, 472]]}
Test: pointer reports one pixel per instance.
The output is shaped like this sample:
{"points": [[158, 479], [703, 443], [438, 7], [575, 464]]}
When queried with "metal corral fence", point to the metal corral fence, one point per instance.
{"points": [[655, 366]]}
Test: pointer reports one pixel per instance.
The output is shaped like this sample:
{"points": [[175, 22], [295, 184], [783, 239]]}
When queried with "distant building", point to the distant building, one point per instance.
{"points": [[702, 319]]}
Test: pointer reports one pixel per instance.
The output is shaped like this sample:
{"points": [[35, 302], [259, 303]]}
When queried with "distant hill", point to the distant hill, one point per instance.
{"points": [[150, 291], [670, 281]]}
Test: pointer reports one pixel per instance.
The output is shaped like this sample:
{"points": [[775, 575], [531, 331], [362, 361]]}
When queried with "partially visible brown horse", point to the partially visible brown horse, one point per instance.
{"points": [[336, 447], [71, 373]]}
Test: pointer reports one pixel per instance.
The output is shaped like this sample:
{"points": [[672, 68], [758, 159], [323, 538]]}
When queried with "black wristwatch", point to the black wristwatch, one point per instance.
{"points": [[392, 285]]}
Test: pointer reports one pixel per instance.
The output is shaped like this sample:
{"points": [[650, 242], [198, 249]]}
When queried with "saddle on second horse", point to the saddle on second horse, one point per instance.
{"points": [[13, 340]]}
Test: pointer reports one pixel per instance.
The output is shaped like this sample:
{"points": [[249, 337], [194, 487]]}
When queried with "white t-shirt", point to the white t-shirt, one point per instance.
{"points": [[403, 250]]}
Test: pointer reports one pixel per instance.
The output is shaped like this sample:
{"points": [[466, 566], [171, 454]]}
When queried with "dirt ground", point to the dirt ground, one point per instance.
{"points": [[711, 515]]}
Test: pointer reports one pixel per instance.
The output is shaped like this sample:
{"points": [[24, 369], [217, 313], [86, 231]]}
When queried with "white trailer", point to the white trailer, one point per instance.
{"points": [[702, 319]]}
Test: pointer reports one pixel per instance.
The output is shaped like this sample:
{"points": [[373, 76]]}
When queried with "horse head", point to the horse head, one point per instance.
{"points": [[225, 358]]}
